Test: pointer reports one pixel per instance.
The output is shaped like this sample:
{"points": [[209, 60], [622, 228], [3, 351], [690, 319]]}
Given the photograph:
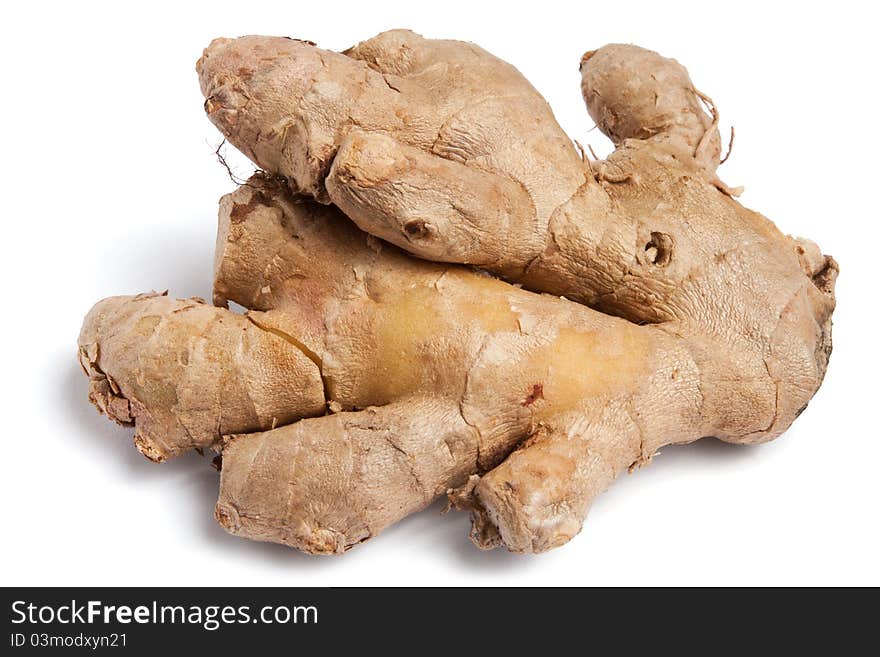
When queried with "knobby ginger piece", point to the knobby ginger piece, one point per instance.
{"points": [[375, 370]]}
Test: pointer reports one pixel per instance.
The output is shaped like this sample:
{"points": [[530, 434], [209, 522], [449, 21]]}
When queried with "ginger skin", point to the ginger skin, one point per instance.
{"points": [[685, 315]]}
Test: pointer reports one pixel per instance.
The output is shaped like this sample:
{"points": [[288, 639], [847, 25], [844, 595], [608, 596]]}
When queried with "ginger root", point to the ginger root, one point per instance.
{"points": [[363, 382]]}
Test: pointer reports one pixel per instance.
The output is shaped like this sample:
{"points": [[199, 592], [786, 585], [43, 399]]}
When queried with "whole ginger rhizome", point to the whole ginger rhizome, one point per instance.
{"points": [[445, 297]]}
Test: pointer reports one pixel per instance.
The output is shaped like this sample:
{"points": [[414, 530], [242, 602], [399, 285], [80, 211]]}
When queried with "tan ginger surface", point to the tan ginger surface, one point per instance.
{"points": [[685, 315]]}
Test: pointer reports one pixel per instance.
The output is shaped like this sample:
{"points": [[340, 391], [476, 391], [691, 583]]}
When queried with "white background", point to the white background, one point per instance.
{"points": [[110, 186]]}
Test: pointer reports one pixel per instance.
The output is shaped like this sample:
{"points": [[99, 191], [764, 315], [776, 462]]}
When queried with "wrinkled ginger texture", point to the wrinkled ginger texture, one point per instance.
{"points": [[445, 297]]}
